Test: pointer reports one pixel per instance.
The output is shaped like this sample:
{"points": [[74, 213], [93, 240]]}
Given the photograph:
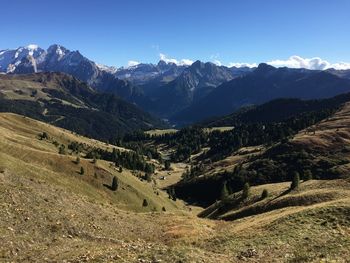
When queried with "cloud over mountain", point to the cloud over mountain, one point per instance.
{"points": [[175, 61], [308, 63], [315, 63]]}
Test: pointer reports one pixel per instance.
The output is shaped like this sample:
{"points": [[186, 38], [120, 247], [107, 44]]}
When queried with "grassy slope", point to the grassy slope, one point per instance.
{"points": [[51, 213]]}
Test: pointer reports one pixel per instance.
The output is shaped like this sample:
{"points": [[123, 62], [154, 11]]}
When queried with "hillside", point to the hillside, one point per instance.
{"points": [[320, 149], [50, 212], [275, 111], [66, 102], [262, 85]]}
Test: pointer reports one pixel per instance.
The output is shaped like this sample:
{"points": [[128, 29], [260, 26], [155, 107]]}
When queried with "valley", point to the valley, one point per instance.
{"points": [[171, 162], [49, 208]]}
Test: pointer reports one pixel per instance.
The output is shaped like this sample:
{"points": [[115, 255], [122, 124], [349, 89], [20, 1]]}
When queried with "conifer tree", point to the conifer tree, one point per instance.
{"points": [[224, 192], [245, 191], [115, 184], [295, 181]]}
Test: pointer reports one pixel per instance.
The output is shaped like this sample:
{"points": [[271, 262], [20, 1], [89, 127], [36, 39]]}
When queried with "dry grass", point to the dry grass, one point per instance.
{"points": [[158, 132], [50, 213]]}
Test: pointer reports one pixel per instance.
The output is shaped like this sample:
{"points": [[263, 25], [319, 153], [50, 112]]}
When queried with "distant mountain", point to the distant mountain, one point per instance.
{"points": [[345, 73], [142, 74], [66, 102], [275, 111], [194, 83], [264, 84], [57, 58]]}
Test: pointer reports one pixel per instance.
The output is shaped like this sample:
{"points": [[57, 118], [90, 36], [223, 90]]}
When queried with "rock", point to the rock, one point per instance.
{"points": [[249, 253]]}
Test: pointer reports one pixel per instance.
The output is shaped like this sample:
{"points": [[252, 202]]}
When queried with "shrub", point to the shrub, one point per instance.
{"points": [[264, 194], [307, 175], [148, 177], [295, 181], [245, 191], [82, 171], [224, 192], [163, 209], [167, 165], [115, 184], [62, 149], [145, 203], [120, 169], [44, 136]]}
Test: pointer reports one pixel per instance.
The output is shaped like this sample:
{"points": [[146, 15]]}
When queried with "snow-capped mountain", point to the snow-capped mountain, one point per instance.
{"points": [[11, 58], [143, 73], [57, 58]]}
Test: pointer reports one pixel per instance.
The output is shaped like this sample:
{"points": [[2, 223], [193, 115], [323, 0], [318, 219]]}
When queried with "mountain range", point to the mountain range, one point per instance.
{"points": [[182, 94]]}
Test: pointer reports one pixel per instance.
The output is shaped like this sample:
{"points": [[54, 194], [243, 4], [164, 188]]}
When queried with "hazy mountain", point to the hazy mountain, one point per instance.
{"points": [[275, 111], [194, 83], [345, 73], [263, 84], [142, 74]]}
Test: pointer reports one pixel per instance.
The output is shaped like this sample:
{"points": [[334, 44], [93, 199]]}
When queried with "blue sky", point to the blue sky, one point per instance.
{"points": [[115, 32]]}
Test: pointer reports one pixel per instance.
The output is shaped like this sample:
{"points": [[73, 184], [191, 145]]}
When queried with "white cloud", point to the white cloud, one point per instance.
{"points": [[308, 63], [217, 62], [175, 61], [315, 63], [241, 65], [132, 63], [340, 65]]}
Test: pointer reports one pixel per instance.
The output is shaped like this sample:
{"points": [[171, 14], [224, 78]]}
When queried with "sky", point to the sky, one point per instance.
{"points": [[118, 33]]}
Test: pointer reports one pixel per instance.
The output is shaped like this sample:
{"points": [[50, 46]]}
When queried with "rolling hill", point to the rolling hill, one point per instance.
{"points": [[51, 212], [64, 101]]}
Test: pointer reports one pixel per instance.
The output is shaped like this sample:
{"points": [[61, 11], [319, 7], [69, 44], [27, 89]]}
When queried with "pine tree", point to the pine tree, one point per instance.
{"points": [[224, 192], [295, 181], [264, 194], [307, 175], [115, 184], [245, 191], [167, 165]]}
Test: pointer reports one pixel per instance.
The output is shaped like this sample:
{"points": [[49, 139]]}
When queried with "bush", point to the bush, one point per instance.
{"points": [[145, 203], [115, 184], [148, 177], [62, 149], [163, 209], [264, 194], [224, 192], [82, 171], [295, 181], [245, 191], [44, 136], [307, 175], [120, 169], [167, 165]]}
